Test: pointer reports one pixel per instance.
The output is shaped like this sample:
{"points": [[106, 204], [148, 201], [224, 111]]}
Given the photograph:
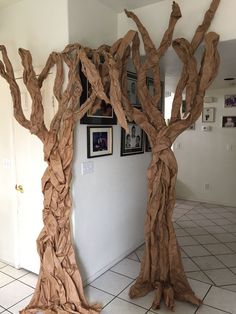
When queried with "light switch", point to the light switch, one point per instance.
{"points": [[87, 167], [229, 147]]}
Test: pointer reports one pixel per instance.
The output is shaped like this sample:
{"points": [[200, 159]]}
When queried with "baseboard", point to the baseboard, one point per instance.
{"points": [[204, 201], [111, 264]]}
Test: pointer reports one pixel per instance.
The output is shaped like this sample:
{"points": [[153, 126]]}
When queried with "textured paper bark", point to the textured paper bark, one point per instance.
{"points": [[59, 288], [161, 268]]}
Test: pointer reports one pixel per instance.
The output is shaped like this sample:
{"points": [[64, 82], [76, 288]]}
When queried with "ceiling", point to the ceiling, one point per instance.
{"points": [[119, 5], [171, 65], [116, 5]]}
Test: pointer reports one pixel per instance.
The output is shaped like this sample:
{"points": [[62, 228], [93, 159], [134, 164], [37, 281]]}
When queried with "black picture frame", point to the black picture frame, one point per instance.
{"points": [[230, 101], [132, 143], [148, 147], [104, 114], [99, 141], [229, 122], [132, 89], [150, 86]]}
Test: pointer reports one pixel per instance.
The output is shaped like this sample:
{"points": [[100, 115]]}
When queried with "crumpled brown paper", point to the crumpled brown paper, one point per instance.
{"points": [[161, 267], [59, 288]]}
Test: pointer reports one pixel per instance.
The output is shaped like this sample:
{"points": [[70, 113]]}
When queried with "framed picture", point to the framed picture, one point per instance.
{"points": [[99, 141], [132, 89], [183, 106], [148, 147], [208, 114], [230, 101], [132, 142], [229, 122], [101, 113], [150, 85]]}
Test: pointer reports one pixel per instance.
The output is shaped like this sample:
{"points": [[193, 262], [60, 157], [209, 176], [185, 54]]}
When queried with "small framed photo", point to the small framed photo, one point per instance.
{"points": [[230, 101], [101, 113], [208, 114], [229, 122], [132, 89], [151, 89], [132, 142], [183, 106], [99, 141], [148, 147]]}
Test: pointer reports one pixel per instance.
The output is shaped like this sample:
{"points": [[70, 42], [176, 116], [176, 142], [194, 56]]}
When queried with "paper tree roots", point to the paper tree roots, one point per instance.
{"points": [[59, 288]]}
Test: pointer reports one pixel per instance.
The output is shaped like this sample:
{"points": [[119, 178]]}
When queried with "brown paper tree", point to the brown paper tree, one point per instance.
{"points": [[59, 288], [161, 268]]}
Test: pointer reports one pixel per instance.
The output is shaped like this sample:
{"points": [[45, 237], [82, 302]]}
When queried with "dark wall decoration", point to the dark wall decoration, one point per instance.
{"points": [[101, 112], [99, 141], [132, 143]]}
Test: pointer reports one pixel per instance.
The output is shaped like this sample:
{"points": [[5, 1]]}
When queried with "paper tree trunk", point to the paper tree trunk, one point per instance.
{"points": [[59, 288], [161, 267]]}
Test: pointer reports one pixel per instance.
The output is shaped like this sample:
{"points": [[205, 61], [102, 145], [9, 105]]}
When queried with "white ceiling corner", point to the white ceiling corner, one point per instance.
{"points": [[119, 5]]}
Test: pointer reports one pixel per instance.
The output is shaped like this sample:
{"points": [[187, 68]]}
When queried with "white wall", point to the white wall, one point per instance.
{"points": [[91, 23], [110, 205], [155, 18], [40, 26], [203, 158]]}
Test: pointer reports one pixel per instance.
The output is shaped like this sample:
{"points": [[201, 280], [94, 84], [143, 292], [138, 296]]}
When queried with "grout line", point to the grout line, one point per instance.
{"points": [[19, 302], [144, 308], [208, 283], [116, 296], [7, 284], [101, 290], [196, 206], [116, 272], [138, 257], [26, 284], [12, 276]]}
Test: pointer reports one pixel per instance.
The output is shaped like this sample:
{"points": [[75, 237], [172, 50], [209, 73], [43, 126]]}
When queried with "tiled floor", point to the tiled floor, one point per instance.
{"points": [[207, 236]]}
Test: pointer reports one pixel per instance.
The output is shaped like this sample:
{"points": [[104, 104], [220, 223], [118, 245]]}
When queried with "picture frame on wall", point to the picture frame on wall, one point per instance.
{"points": [[132, 143], [230, 101], [148, 147], [101, 113], [151, 89], [229, 122], [208, 114], [132, 89], [183, 106], [99, 141]]}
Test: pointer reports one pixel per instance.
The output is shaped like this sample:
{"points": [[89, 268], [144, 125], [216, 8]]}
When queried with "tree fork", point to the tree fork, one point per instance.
{"points": [[161, 266], [59, 288]]}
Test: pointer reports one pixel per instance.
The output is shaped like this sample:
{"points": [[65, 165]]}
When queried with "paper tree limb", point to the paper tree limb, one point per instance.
{"points": [[59, 288], [161, 267]]}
